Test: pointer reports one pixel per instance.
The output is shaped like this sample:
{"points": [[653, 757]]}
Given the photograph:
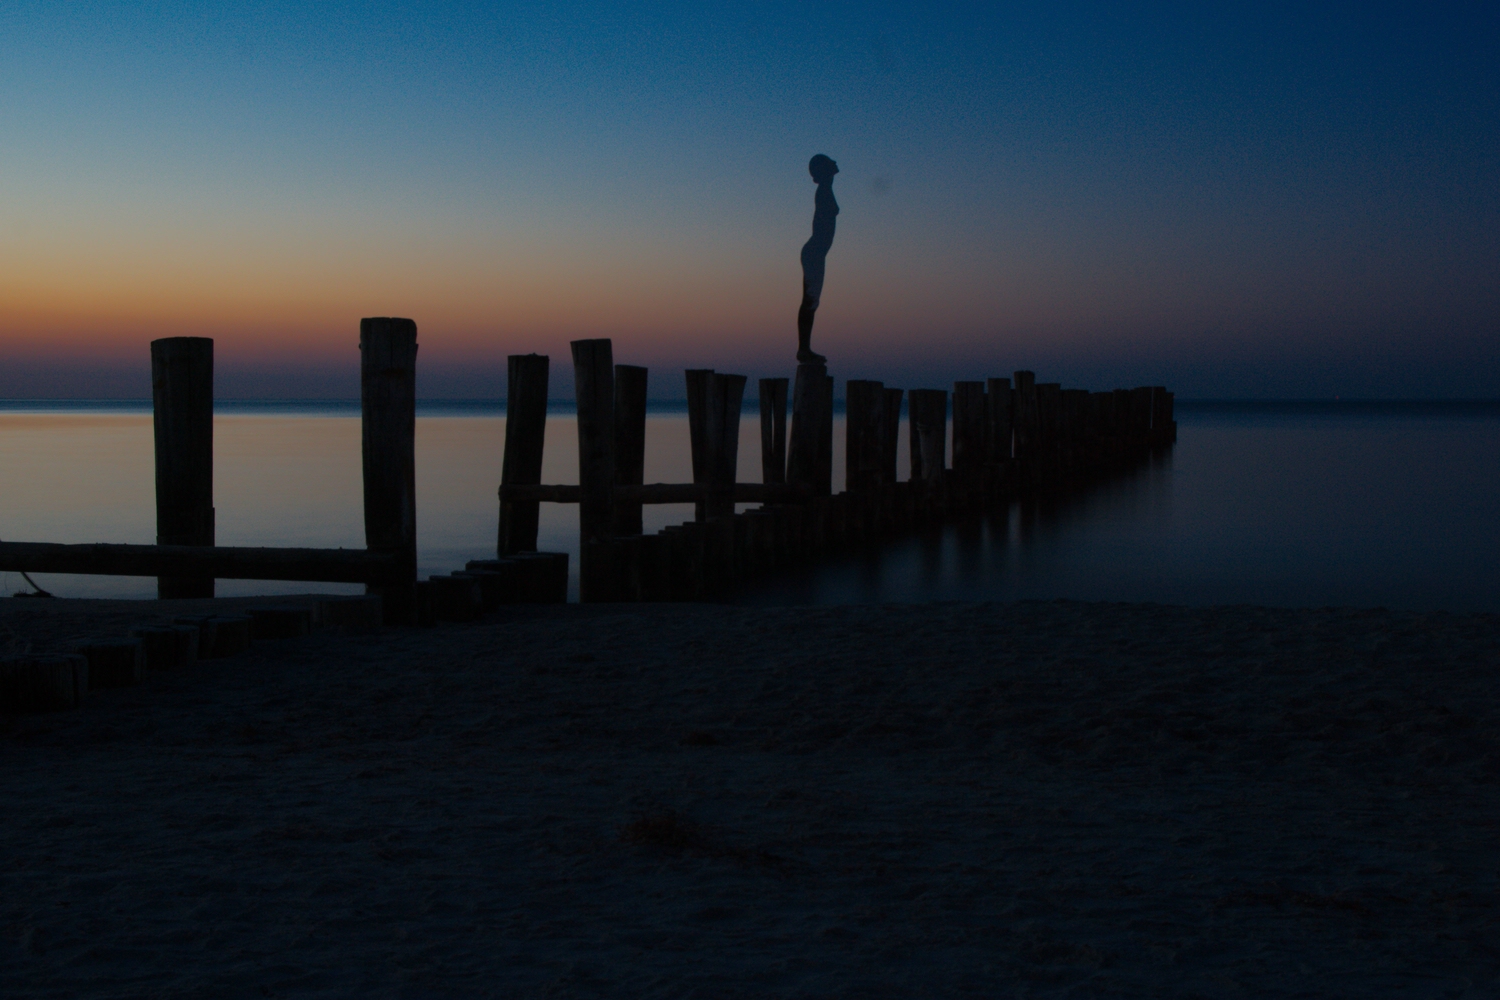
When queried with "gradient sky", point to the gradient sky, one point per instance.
{"points": [[1248, 201]]}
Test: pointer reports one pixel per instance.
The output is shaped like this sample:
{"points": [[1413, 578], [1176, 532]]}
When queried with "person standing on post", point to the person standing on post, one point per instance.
{"points": [[814, 253]]}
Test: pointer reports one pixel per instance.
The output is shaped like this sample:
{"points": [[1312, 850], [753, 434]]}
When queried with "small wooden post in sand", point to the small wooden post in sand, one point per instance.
{"points": [[594, 382], [525, 429], [928, 417], [630, 442], [891, 440], [388, 417], [773, 430], [810, 455], [182, 390], [968, 429]]}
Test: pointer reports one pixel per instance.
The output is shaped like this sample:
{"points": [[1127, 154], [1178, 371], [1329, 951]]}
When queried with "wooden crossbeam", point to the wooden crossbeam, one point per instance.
{"points": [[662, 493]]}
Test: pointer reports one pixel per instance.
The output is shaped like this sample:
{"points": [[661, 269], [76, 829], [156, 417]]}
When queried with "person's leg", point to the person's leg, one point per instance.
{"points": [[812, 287]]}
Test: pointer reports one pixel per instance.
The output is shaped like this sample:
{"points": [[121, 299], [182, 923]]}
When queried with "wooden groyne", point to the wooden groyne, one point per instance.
{"points": [[1011, 437]]}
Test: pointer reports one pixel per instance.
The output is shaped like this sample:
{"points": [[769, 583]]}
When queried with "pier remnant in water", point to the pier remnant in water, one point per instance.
{"points": [[525, 429], [773, 430], [388, 427], [182, 392]]}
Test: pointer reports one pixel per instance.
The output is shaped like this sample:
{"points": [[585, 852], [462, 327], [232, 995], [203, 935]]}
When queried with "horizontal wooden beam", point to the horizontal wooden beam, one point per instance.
{"points": [[664, 493], [218, 561]]}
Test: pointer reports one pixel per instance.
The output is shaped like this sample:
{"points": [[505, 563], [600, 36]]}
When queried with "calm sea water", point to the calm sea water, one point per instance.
{"points": [[1393, 504]]}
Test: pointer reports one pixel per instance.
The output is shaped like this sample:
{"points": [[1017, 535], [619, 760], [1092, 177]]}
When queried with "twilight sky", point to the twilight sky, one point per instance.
{"points": [[1256, 200]]}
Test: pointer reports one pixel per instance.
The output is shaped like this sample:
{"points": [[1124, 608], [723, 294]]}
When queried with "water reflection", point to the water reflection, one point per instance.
{"points": [[1397, 506]]}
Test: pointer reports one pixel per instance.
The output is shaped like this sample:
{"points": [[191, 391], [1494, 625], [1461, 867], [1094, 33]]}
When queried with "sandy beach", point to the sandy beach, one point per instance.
{"points": [[1033, 799]]}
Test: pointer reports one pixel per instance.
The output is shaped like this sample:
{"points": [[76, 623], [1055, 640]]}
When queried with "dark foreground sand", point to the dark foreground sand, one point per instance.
{"points": [[1033, 799]]}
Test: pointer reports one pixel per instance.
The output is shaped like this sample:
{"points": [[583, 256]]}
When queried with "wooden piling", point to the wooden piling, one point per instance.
{"points": [[525, 429], [182, 389], [725, 401], [388, 417], [1023, 409], [890, 444], [969, 419], [699, 388], [998, 412], [773, 430], [594, 383], [928, 417], [630, 443], [810, 454], [864, 434]]}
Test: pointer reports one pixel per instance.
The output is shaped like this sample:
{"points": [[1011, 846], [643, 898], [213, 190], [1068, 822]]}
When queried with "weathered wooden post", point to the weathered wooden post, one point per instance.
{"points": [[630, 442], [699, 387], [182, 390], [1049, 417], [891, 441], [997, 434], [928, 416], [1024, 411], [525, 429], [864, 433], [726, 398], [594, 384], [969, 418], [388, 418], [810, 456], [773, 430]]}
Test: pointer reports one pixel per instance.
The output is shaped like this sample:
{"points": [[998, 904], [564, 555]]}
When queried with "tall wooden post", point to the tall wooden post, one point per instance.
{"points": [[891, 441], [725, 400], [810, 454], [182, 390], [928, 416], [773, 430], [594, 382], [968, 429], [388, 417], [630, 442], [699, 387], [998, 412], [864, 434], [525, 429]]}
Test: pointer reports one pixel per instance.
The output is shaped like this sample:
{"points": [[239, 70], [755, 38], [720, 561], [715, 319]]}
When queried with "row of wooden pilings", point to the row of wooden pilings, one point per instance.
{"points": [[1011, 437]]}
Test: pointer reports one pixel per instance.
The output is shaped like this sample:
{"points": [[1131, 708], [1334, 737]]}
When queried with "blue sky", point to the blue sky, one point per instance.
{"points": [[1252, 201]]}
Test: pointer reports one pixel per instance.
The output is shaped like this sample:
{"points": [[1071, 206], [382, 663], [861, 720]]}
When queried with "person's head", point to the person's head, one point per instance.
{"points": [[822, 168]]}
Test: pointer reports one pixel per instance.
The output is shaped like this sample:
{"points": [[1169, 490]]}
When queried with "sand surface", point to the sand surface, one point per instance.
{"points": [[1032, 799]]}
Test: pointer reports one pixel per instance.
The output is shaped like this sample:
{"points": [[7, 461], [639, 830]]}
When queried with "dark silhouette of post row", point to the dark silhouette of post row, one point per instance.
{"points": [[998, 433], [525, 431], [388, 417], [594, 383], [182, 391], [773, 430]]}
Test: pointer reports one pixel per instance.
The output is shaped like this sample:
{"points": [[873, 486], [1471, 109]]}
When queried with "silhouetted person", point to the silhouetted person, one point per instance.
{"points": [[814, 252]]}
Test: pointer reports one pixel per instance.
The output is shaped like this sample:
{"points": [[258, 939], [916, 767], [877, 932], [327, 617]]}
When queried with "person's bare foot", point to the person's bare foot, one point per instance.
{"points": [[806, 357]]}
